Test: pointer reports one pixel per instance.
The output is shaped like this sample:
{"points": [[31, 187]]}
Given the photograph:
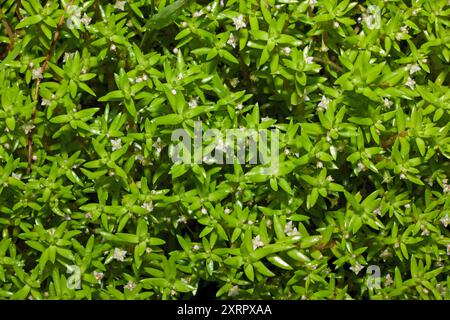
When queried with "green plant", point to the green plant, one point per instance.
{"points": [[92, 207]]}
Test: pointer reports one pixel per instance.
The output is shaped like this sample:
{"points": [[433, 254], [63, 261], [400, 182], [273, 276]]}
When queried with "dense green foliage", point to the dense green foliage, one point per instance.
{"points": [[359, 92]]}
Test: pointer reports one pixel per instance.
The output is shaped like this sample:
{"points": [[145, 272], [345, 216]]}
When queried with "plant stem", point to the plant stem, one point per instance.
{"points": [[38, 82], [329, 62]]}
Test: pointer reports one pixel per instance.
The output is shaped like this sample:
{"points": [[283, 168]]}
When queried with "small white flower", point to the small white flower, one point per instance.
{"points": [[290, 230], [113, 47], [256, 242], [158, 145], [387, 103], [425, 231], [323, 104], [116, 144], [413, 68], [385, 254], [404, 29], [330, 178], [287, 51], [305, 96], [67, 56], [319, 164], [312, 3], [254, 78], [446, 188], [36, 73], [119, 254], [18, 176], [34, 157], [232, 41], [175, 50], [388, 280], [234, 291], [204, 211], [445, 220], [239, 106], [402, 176], [148, 206], [184, 24], [287, 151], [239, 22], [98, 275], [120, 5], [227, 211], [27, 128], [173, 91], [377, 211], [180, 76], [86, 20], [198, 14], [130, 286], [335, 24], [361, 166], [209, 160], [408, 206], [196, 247], [410, 83], [357, 268], [309, 60], [234, 82], [193, 103], [371, 21], [182, 219]]}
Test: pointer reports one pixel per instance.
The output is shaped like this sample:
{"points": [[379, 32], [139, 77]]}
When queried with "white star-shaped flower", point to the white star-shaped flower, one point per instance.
{"points": [[323, 104], [36, 73], [27, 128], [98, 275], [239, 22], [232, 41], [309, 60], [413, 68], [445, 220], [86, 20], [119, 254], [148, 206], [256, 242], [411, 83], [130, 286], [234, 291], [357, 268], [120, 5], [290, 230], [16, 176], [116, 144], [387, 103]]}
